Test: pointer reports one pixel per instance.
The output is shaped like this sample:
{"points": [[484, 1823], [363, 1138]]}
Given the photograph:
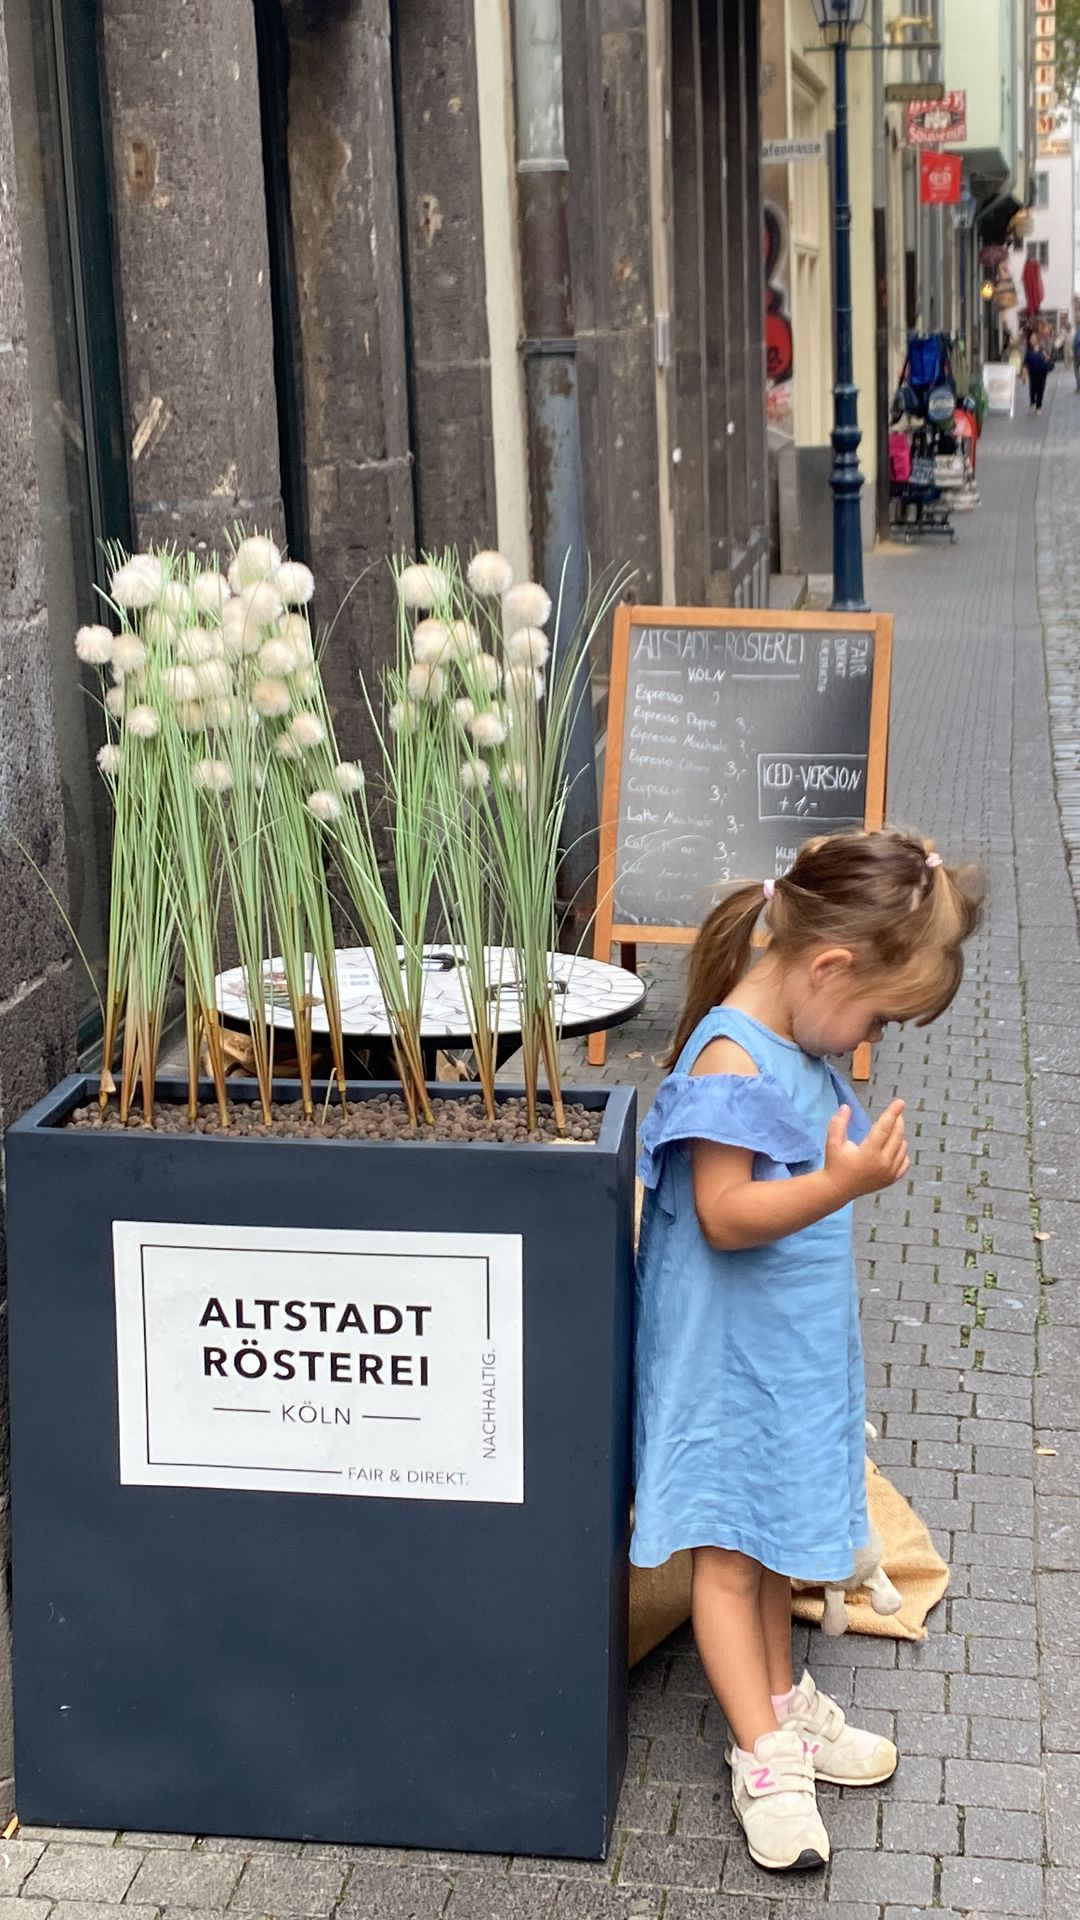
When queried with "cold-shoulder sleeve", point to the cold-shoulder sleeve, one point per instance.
{"points": [[736, 1110], [860, 1123]]}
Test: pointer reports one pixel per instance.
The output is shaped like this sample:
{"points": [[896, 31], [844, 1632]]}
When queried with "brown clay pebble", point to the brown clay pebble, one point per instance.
{"points": [[383, 1117]]}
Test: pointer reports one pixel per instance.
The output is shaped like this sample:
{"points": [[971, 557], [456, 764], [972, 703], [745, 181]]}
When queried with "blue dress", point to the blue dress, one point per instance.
{"points": [[749, 1417]]}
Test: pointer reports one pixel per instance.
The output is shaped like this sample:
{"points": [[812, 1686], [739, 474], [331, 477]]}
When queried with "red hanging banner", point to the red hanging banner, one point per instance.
{"points": [[939, 178]]}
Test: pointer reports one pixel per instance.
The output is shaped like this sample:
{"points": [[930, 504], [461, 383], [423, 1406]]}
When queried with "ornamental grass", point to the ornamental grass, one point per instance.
{"points": [[233, 805]]}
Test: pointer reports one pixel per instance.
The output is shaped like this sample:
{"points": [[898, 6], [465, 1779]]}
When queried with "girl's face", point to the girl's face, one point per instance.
{"points": [[829, 1014]]}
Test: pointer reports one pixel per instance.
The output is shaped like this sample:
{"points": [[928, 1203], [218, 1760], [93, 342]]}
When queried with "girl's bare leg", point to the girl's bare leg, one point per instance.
{"points": [[776, 1624], [729, 1629]]}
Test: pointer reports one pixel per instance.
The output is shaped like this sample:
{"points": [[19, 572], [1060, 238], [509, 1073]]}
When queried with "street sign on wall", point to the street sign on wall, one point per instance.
{"points": [[937, 123], [777, 153], [939, 179]]}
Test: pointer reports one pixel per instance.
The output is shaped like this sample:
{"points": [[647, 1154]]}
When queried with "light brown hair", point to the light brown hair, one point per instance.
{"points": [[886, 895]]}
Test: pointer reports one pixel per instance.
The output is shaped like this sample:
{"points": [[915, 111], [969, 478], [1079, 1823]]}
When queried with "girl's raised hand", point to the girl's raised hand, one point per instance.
{"points": [[879, 1162]]}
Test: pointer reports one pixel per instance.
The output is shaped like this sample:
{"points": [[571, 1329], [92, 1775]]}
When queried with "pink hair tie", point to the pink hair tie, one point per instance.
{"points": [[768, 888], [933, 860]]}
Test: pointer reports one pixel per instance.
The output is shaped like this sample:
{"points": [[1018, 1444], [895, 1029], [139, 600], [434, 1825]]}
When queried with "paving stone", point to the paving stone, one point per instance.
{"points": [[883, 1876], [290, 1886], [990, 1834], [486, 1896], [992, 1886], [921, 1830], [14, 1908], [918, 1780], [706, 1812], [1021, 1740], [18, 1858], [575, 1902], [650, 1861], [915, 1692], [1062, 1775], [647, 1809], [400, 1893], [83, 1873], [1062, 1894], [167, 1879], [984, 1783]]}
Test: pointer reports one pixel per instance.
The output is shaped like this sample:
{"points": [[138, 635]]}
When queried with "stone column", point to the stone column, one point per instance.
{"points": [[344, 192], [443, 233], [36, 1028], [607, 137], [192, 254]]}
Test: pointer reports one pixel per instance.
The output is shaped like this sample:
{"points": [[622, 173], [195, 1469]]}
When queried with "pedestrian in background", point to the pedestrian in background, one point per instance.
{"points": [[1037, 365], [750, 1400]]}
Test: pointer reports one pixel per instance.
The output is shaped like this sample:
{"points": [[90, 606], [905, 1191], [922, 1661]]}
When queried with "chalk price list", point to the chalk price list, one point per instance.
{"points": [[707, 795]]}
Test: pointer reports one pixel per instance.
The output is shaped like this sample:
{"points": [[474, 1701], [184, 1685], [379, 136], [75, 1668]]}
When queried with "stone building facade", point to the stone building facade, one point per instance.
{"points": [[260, 262]]}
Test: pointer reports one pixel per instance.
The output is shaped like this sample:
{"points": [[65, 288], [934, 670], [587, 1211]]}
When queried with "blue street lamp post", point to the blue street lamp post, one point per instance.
{"points": [[837, 20]]}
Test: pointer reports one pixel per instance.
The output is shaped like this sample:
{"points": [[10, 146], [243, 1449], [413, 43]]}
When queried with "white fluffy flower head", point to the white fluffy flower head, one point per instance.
{"points": [[158, 627], [513, 775], [528, 647], [295, 583], [256, 559], [426, 682], [523, 685], [421, 587], [239, 635], [305, 682], [94, 646], [432, 642], [128, 654], [219, 712], [108, 760], [487, 667], [114, 702], [138, 582], [196, 644], [214, 678], [294, 629], [286, 747], [180, 683], [404, 716], [212, 776], [489, 573], [488, 729], [270, 699], [475, 776], [527, 605], [191, 716], [307, 730], [210, 592], [143, 722], [465, 639], [176, 599], [464, 711], [277, 659], [261, 602], [349, 775], [324, 805]]}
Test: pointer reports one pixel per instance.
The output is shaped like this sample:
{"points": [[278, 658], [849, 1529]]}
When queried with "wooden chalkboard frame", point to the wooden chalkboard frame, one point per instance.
{"points": [[610, 932]]}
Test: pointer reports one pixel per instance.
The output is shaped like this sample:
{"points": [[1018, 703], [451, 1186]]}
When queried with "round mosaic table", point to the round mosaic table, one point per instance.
{"points": [[591, 996]]}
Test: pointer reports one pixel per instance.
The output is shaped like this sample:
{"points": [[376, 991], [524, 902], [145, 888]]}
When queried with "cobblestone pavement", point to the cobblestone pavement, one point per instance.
{"points": [[971, 1277]]}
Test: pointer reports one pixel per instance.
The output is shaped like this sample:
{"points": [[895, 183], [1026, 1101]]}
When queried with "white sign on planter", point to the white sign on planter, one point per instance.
{"points": [[311, 1361]]}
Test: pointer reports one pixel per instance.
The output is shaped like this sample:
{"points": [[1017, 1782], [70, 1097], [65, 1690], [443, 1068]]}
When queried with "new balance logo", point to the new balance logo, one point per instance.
{"points": [[762, 1780]]}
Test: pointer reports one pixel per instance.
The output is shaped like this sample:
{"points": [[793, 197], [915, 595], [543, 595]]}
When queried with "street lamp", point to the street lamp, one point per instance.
{"points": [[838, 20]]}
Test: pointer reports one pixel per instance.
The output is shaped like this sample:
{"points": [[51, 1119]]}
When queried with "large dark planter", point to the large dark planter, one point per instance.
{"points": [[426, 1662]]}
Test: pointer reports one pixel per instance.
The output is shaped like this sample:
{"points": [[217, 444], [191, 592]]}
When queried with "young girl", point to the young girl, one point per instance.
{"points": [[749, 1424]]}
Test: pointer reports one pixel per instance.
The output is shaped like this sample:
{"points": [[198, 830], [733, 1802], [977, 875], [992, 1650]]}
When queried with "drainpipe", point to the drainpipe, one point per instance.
{"points": [[881, 269], [549, 351]]}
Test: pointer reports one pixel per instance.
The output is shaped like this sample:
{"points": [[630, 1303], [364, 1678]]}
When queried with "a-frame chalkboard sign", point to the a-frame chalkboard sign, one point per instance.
{"points": [[732, 737]]}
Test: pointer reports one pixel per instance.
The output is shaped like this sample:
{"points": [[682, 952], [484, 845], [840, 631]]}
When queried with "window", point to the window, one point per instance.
{"points": [[1042, 190], [1039, 250]]}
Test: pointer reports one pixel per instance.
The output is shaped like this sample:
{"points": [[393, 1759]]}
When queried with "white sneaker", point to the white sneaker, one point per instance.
{"points": [[775, 1802], [845, 1756]]}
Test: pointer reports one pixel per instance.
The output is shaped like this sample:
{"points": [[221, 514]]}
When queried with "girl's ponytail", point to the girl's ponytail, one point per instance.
{"points": [[719, 958]]}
